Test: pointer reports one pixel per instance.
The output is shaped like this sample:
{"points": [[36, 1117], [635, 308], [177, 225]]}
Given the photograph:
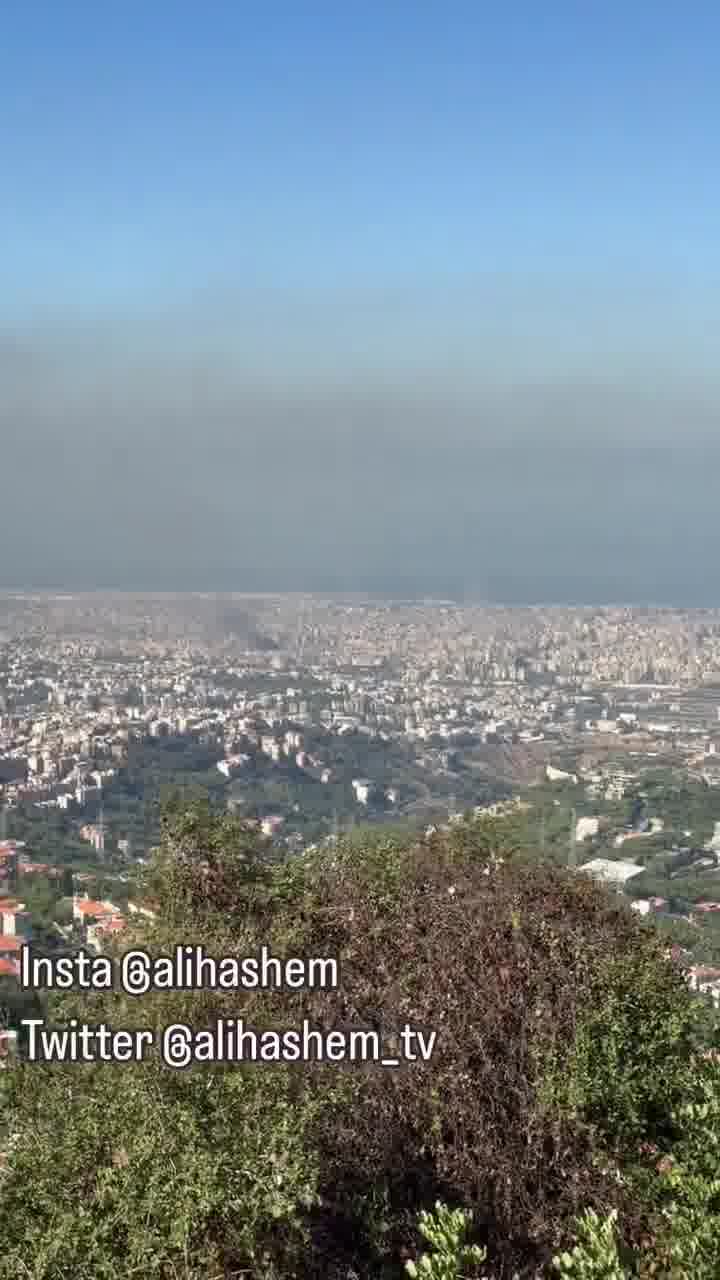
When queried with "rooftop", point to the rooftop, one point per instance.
{"points": [[13, 942], [611, 872]]}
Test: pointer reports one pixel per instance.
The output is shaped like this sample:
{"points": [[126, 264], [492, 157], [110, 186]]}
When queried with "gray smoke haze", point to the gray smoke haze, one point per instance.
{"points": [[495, 438]]}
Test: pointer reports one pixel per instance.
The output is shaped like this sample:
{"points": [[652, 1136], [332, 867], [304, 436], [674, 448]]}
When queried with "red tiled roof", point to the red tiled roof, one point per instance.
{"points": [[87, 907], [13, 942]]}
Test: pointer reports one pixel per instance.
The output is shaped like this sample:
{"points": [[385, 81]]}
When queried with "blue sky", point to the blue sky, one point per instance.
{"points": [[430, 226], [323, 144]]}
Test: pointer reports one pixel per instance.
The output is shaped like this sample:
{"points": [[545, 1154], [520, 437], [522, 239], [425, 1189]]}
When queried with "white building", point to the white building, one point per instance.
{"points": [[559, 775], [271, 824], [363, 789], [585, 828], [643, 906], [610, 872], [705, 980]]}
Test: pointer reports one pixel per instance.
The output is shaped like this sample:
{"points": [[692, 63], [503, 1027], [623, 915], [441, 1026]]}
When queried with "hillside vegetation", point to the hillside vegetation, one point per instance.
{"points": [[567, 1122]]}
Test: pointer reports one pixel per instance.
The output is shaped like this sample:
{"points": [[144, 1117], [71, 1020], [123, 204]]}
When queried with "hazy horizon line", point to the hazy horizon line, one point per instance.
{"points": [[334, 594]]}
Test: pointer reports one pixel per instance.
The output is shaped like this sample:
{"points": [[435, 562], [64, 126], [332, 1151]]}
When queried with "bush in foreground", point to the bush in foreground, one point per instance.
{"points": [[567, 1048]]}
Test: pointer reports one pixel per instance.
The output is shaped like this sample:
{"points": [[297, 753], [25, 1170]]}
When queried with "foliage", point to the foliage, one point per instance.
{"points": [[42, 898], [452, 1259], [631, 1059], [595, 1256], [683, 1185], [682, 1193], [566, 1043], [141, 1180]]}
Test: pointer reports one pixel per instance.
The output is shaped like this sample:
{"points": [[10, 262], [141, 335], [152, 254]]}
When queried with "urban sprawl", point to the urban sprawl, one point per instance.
{"points": [[597, 727]]}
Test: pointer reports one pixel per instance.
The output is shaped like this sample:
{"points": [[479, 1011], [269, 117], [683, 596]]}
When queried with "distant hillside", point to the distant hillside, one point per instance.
{"points": [[521, 764]]}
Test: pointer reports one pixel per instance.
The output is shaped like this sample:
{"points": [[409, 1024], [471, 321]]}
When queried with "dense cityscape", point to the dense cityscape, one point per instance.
{"points": [[308, 716]]}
